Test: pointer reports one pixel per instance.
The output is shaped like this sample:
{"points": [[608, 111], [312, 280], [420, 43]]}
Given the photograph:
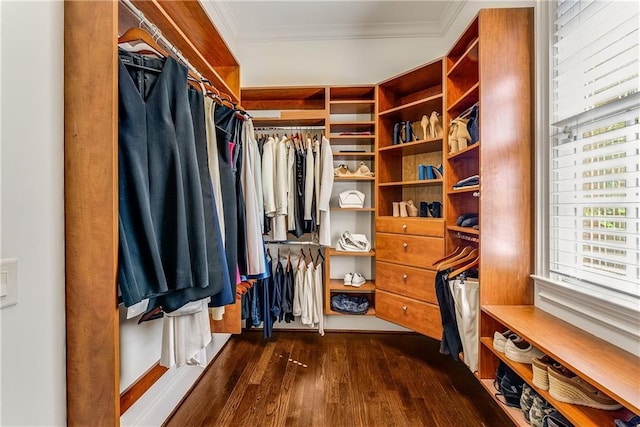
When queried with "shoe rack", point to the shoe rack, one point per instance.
{"points": [[352, 133], [408, 246]]}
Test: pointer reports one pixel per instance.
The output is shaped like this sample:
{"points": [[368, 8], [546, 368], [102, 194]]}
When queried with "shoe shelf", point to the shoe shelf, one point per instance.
{"points": [[514, 414], [582, 416], [347, 155], [414, 183], [410, 148], [353, 178], [607, 367], [465, 153], [337, 285], [334, 252]]}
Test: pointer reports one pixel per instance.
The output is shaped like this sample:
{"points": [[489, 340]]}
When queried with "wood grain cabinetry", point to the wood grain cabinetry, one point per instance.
{"points": [[408, 246]]}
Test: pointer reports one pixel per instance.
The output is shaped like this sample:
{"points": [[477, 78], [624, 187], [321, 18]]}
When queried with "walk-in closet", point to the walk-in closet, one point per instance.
{"points": [[353, 250]]}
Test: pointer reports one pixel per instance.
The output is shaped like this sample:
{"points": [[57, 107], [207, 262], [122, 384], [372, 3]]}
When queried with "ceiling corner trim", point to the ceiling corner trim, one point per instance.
{"points": [[221, 15], [449, 15]]}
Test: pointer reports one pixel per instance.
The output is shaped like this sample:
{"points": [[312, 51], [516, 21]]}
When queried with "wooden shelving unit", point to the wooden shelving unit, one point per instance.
{"points": [[408, 97]]}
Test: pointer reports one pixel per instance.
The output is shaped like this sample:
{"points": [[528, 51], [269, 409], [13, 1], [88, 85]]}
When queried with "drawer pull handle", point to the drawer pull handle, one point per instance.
{"points": [[405, 245], [404, 227], [405, 308], [404, 277]]}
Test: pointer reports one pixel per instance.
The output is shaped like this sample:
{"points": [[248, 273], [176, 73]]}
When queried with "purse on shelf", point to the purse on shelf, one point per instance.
{"points": [[351, 199]]}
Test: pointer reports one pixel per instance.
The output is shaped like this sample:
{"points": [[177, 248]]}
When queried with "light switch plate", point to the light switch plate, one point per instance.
{"points": [[9, 282]]}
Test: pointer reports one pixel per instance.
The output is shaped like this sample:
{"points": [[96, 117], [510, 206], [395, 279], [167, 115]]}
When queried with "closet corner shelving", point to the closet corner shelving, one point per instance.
{"points": [[407, 246], [352, 132]]}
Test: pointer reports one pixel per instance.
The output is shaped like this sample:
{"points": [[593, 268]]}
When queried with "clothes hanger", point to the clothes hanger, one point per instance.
{"points": [[269, 255], [455, 263], [300, 258], [137, 35], [455, 252], [318, 257], [465, 267]]}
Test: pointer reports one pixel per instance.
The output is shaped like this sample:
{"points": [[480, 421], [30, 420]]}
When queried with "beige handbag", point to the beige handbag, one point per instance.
{"points": [[351, 199]]}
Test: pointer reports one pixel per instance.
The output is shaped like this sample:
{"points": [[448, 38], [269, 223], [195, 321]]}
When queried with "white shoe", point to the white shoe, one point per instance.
{"points": [[358, 280], [348, 279], [500, 339], [521, 351]]}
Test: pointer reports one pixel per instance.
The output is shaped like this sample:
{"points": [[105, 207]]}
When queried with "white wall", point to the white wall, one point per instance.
{"points": [[32, 367], [350, 61]]}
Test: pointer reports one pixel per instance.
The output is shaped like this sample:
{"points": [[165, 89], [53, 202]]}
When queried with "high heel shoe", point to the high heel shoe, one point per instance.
{"points": [[425, 126], [453, 137], [396, 133], [396, 208], [342, 170], [435, 125], [403, 209], [363, 170], [435, 209], [462, 134], [412, 210], [424, 209]]}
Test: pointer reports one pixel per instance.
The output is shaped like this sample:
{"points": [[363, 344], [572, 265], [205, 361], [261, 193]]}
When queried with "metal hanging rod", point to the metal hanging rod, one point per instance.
{"points": [[157, 34], [290, 242]]}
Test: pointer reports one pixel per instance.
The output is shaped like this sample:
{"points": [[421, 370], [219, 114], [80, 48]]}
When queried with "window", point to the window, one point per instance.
{"points": [[593, 198]]}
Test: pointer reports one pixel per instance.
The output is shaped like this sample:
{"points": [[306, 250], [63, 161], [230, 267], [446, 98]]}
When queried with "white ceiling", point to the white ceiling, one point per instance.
{"points": [[255, 20]]}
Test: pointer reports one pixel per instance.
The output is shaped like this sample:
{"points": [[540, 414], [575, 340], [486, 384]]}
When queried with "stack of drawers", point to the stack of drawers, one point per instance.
{"points": [[406, 249]]}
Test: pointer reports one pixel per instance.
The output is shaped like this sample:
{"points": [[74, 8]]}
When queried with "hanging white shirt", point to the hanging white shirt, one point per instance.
{"points": [[306, 318], [326, 187], [254, 242], [185, 332], [268, 177], [214, 165], [291, 186], [318, 308], [298, 287], [280, 184]]}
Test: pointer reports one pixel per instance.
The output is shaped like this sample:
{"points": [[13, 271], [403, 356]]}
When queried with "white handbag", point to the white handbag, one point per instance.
{"points": [[351, 199], [352, 242]]}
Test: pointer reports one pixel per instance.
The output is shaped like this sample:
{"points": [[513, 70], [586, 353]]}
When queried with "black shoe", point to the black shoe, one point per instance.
{"points": [[424, 206]]}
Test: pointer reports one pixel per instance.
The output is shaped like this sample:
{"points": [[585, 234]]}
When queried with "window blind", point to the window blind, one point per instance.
{"points": [[594, 202]]}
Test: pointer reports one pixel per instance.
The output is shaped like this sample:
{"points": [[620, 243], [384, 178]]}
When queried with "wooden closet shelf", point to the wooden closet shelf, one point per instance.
{"points": [[353, 155], [354, 178], [348, 93], [337, 285], [605, 366], [582, 416], [464, 190], [354, 209], [468, 59], [287, 122], [370, 312], [465, 153], [334, 252], [466, 100], [465, 230], [514, 413], [352, 107], [417, 183], [416, 147], [414, 110]]}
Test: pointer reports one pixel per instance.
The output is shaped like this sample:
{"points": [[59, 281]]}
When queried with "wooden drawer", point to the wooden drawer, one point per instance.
{"points": [[408, 281], [409, 250], [416, 226], [416, 315]]}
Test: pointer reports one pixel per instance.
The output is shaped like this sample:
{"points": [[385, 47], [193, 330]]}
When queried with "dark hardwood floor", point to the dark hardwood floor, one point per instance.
{"points": [[341, 379]]}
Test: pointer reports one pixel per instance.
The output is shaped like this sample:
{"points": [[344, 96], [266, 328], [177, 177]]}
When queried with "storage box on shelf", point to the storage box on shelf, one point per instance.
{"points": [[408, 246], [352, 132]]}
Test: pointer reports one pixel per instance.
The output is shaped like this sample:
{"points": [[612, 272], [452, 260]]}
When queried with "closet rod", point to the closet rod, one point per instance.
{"points": [[290, 242], [157, 34]]}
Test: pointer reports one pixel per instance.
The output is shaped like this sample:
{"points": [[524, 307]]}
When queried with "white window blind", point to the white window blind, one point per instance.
{"points": [[594, 202]]}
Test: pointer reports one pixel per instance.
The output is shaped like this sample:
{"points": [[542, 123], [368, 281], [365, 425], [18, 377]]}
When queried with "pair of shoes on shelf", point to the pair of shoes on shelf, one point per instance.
{"points": [[429, 172], [433, 209], [428, 127], [362, 170], [521, 351], [404, 209], [354, 279], [500, 339], [459, 136], [567, 387]]}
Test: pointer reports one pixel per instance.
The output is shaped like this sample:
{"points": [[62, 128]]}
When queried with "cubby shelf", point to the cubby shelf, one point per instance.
{"points": [[464, 190], [466, 100], [353, 155], [370, 312], [354, 209], [466, 230], [352, 107], [514, 413], [354, 178], [337, 285], [470, 56], [423, 105], [334, 252]]}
